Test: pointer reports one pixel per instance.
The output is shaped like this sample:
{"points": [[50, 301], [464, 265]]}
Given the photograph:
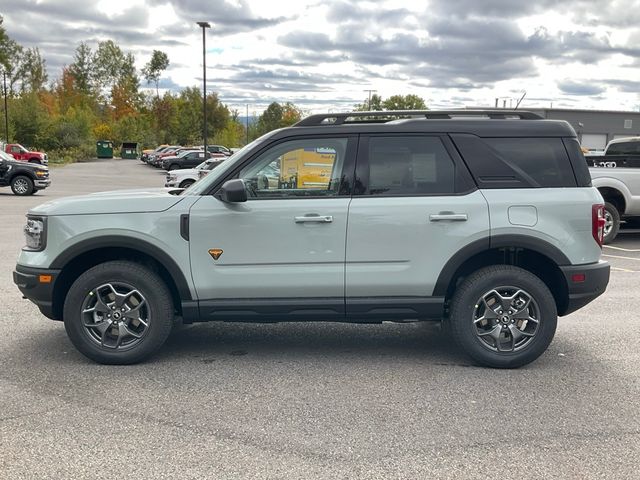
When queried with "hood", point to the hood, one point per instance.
{"points": [[34, 166], [120, 201]]}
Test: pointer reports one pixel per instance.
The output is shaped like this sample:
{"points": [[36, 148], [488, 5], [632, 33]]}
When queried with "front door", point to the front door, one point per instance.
{"points": [[281, 253]]}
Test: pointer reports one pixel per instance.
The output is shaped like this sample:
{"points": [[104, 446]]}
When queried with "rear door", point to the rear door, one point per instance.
{"points": [[414, 208]]}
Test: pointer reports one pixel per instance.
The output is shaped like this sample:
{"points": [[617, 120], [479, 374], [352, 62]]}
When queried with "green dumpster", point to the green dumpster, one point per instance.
{"points": [[104, 149], [129, 150]]}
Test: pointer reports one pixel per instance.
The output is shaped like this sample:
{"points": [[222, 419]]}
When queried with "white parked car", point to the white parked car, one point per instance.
{"points": [[184, 177]]}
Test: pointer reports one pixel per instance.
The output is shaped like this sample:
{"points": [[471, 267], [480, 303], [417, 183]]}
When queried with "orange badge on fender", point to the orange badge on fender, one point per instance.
{"points": [[215, 253]]}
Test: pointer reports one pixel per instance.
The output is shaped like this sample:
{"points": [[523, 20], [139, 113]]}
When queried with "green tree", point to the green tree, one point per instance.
{"points": [[154, 68], [404, 102], [29, 118], [111, 67], [82, 68], [374, 105], [32, 71], [278, 116], [10, 57]]}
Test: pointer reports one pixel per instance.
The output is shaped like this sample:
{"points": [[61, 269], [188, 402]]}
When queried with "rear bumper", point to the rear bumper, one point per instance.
{"points": [[40, 292], [581, 292]]}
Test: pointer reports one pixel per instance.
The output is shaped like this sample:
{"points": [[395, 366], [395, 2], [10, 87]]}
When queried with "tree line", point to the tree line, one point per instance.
{"points": [[100, 96]]}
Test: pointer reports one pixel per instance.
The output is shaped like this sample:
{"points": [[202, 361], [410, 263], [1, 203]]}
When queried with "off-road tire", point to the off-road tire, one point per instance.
{"points": [[465, 302], [151, 288]]}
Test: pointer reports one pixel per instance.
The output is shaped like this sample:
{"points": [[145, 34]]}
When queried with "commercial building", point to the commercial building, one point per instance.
{"points": [[595, 127]]}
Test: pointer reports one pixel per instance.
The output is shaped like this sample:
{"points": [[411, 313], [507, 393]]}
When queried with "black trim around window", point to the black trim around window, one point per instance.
{"points": [[463, 182], [348, 167]]}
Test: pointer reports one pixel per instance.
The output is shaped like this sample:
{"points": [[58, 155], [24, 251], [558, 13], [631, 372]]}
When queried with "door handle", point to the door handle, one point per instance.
{"points": [[446, 216], [314, 219]]}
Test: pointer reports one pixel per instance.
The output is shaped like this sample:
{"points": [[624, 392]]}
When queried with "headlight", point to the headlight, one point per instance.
{"points": [[35, 234], [171, 178], [42, 173]]}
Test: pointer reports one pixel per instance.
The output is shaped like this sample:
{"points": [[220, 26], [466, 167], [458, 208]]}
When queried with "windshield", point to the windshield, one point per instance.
{"points": [[203, 184]]}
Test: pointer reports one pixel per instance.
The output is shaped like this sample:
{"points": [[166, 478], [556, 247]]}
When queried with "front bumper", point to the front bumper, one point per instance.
{"points": [[37, 285], [582, 291], [43, 183]]}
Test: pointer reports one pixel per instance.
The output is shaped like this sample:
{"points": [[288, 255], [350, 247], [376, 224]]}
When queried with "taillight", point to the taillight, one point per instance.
{"points": [[597, 223]]}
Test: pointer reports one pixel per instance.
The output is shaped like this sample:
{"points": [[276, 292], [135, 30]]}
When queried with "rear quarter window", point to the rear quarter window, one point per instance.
{"points": [[544, 160]]}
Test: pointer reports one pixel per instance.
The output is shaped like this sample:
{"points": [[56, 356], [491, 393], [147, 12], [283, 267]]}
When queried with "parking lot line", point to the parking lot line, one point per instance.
{"points": [[620, 256], [618, 269], [623, 249]]}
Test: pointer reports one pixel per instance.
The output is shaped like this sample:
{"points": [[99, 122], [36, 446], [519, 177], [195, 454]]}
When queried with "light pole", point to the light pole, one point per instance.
{"points": [[246, 121], [204, 26], [6, 111]]}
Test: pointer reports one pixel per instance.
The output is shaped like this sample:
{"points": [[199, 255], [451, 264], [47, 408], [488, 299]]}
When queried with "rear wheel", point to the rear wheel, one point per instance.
{"points": [[503, 316], [22, 185], [118, 312], [611, 222]]}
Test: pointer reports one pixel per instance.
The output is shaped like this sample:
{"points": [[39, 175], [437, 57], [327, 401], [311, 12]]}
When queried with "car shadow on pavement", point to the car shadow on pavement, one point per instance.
{"points": [[423, 340]]}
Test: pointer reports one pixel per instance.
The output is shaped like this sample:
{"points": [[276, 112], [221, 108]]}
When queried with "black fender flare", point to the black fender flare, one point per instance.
{"points": [[499, 241], [117, 241]]}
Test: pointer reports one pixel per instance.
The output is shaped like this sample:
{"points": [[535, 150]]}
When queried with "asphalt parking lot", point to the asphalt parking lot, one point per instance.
{"points": [[313, 400]]}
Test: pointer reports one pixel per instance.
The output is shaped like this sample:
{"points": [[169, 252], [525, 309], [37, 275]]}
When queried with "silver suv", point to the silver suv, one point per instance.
{"points": [[485, 220]]}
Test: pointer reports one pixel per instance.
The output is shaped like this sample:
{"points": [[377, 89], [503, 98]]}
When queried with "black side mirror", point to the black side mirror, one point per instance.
{"points": [[233, 191]]}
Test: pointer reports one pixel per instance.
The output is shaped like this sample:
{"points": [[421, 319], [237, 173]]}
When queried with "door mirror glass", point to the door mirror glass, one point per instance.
{"points": [[233, 191]]}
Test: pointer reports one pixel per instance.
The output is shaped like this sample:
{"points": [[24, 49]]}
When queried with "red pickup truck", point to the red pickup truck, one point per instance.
{"points": [[20, 153]]}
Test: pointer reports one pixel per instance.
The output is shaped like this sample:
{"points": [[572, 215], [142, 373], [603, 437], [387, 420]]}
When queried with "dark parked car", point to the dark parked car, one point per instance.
{"points": [[189, 159], [23, 178]]}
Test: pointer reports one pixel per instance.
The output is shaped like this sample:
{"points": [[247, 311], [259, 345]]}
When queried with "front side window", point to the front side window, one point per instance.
{"points": [[409, 165], [297, 168]]}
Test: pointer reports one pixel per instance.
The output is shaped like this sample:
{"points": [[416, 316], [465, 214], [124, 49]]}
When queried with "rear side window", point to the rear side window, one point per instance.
{"points": [[409, 165], [544, 160], [624, 148]]}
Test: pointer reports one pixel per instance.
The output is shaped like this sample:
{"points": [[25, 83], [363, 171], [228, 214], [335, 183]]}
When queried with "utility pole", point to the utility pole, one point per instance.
{"points": [[246, 121], [6, 111], [370, 91], [204, 26]]}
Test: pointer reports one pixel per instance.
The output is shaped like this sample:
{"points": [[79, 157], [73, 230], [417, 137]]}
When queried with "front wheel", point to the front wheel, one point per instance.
{"points": [[118, 312], [174, 166], [22, 185], [186, 183], [503, 316]]}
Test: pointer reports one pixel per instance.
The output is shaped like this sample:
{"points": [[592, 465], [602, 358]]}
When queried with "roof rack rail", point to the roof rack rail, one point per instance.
{"points": [[382, 116]]}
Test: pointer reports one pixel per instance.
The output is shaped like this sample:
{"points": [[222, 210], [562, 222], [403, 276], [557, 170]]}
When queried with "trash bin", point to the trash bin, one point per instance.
{"points": [[104, 149], [129, 150]]}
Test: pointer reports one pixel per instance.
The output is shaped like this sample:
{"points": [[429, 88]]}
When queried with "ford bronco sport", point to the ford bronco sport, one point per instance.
{"points": [[485, 220]]}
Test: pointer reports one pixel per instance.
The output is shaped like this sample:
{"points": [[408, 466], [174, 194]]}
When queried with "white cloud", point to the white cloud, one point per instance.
{"points": [[322, 55]]}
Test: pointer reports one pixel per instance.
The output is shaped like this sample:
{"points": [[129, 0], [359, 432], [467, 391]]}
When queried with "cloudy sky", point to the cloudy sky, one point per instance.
{"points": [[323, 55]]}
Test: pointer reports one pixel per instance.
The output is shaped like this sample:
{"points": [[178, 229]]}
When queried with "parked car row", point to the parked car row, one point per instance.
{"points": [[173, 157]]}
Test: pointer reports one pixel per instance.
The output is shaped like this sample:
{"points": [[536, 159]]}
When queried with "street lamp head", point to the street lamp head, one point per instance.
{"points": [[204, 24]]}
